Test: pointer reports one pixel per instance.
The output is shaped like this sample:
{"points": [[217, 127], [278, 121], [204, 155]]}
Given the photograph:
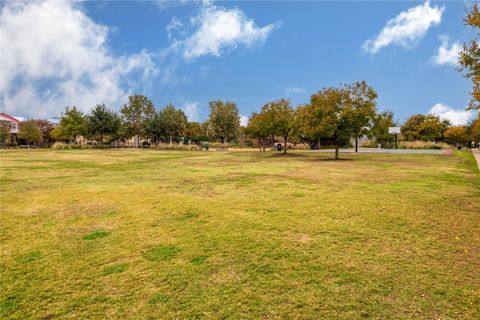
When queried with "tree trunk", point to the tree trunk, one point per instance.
{"points": [[285, 147], [336, 148], [28, 144], [170, 140], [356, 145]]}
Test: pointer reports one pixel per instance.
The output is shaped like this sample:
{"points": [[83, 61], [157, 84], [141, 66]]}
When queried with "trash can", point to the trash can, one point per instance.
{"points": [[279, 147]]}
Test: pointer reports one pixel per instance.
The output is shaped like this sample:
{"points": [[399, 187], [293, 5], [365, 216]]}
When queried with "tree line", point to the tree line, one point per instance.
{"points": [[332, 117]]}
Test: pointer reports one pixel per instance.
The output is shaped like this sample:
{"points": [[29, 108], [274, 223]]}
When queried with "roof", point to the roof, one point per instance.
{"points": [[6, 117]]}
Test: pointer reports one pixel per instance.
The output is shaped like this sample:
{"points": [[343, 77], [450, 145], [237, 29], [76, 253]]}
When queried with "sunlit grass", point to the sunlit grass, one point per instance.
{"points": [[134, 234]]}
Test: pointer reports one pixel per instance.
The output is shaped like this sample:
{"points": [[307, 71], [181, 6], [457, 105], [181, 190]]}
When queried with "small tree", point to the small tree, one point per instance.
{"points": [[224, 120], [72, 124], [381, 123], [475, 130], [102, 121], [134, 115], [29, 131], [46, 128], [457, 135], [193, 130], [154, 127]]}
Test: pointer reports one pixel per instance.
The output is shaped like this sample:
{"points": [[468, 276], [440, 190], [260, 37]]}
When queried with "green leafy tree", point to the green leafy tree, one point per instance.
{"points": [[424, 127], [381, 123], [257, 129], [29, 131], [279, 119], [174, 122], [46, 128], [362, 98], [154, 128], [102, 121], [457, 135], [469, 57], [224, 120], [72, 124], [193, 131], [134, 114], [333, 113]]}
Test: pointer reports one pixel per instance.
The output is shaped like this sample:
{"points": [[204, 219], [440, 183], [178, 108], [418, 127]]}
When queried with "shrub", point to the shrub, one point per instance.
{"points": [[70, 146], [177, 147], [219, 146], [423, 145]]}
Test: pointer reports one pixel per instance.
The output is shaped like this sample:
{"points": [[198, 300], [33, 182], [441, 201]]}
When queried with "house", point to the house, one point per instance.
{"points": [[13, 123]]}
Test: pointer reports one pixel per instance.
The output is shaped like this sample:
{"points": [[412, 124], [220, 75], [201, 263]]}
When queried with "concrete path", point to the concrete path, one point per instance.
{"points": [[392, 151], [476, 153]]}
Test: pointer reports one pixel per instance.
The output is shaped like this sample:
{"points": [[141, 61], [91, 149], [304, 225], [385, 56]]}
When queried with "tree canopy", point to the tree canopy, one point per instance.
{"points": [[72, 124], [224, 120]]}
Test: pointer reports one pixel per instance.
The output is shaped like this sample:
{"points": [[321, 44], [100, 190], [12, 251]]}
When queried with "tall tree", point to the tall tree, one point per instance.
{"points": [[475, 130], [224, 120], [424, 127], [72, 123], [29, 131], [134, 115], [174, 122], [469, 57], [102, 121], [280, 119], [362, 98]]}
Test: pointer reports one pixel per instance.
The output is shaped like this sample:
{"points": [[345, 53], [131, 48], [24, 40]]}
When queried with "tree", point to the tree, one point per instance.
{"points": [[336, 113], [102, 121], [174, 122], [193, 131], [46, 128], [362, 98], [279, 119], [4, 132], [469, 58], [381, 123], [457, 135], [29, 131], [154, 127], [224, 120], [134, 115], [256, 128], [475, 130], [72, 124], [424, 127]]}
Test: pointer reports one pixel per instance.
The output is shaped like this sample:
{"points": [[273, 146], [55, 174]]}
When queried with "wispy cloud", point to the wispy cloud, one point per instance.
{"points": [[456, 116], [243, 120], [407, 28], [192, 111], [294, 91], [447, 54]]}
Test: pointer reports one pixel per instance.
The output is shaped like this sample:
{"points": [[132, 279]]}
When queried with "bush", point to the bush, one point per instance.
{"points": [[423, 145], [299, 146], [219, 146], [177, 147], [70, 146]]}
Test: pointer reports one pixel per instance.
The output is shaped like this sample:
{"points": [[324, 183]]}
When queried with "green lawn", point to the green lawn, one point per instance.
{"points": [[143, 234]]}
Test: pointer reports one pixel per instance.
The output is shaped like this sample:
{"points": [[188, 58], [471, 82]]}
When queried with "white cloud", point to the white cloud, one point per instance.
{"points": [[53, 55], [295, 90], [457, 117], [192, 111], [406, 29], [217, 30], [447, 54], [243, 120]]}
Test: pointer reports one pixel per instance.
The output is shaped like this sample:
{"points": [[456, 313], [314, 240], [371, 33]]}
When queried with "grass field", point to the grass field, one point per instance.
{"points": [[143, 234]]}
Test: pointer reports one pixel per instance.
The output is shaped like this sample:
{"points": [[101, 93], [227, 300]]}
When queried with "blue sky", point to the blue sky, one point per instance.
{"points": [[188, 53]]}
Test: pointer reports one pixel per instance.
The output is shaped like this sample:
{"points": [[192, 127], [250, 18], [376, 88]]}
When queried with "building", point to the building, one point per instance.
{"points": [[12, 123]]}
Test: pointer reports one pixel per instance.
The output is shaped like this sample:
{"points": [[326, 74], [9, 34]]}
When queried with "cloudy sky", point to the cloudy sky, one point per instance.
{"points": [[57, 54]]}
